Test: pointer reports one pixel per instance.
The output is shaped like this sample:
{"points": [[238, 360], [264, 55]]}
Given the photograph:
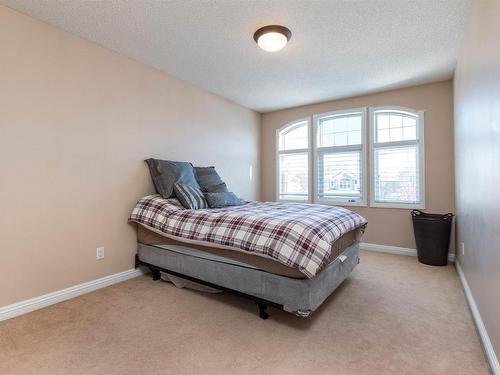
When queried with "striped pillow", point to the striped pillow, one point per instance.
{"points": [[191, 197]]}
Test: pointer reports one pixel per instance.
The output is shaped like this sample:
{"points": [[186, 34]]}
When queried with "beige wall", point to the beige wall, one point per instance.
{"points": [[76, 122], [387, 226], [477, 145]]}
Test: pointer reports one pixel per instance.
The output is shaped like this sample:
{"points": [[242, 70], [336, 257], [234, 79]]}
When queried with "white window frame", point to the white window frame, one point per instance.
{"points": [[307, 120], [362, 202], [420, 160]]}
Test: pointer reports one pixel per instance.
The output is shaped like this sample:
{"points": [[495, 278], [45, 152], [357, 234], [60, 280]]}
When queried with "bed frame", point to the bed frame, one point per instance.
{"points": [[297, 296], [262, 303]]}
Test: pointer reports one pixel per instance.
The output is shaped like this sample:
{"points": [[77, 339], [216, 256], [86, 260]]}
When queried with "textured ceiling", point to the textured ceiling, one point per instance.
{"points": [[338, 48]]}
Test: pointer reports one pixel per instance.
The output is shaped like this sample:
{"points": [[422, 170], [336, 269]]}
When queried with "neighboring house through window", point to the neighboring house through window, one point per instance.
{"points": [[339, 156], [331, 165], [397, 158]]}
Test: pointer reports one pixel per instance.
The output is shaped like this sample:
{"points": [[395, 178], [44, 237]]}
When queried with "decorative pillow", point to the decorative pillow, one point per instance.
{"points": [[226, 199], [190, 197], [220, 188], [208, 177], [166, 173]]}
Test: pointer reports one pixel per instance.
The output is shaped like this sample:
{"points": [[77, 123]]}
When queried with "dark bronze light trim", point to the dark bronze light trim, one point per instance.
{"points": [[272, 29]]}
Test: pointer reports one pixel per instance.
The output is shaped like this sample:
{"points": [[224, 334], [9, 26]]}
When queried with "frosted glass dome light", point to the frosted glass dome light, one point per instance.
{"points": [[272, 38]]}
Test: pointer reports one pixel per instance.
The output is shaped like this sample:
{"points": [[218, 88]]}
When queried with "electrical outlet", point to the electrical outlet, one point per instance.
{"points": [[462, 248], [99, 253]]}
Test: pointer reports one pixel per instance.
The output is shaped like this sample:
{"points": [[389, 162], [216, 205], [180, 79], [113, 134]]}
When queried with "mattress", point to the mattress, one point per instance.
{"points": [[146, 236], [299, 235]]}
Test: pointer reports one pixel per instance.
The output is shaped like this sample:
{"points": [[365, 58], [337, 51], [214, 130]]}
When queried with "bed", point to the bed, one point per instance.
{"points": [[290, 256]]}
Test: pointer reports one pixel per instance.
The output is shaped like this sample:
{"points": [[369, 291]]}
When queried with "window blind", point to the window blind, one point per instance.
{"points": [[396, 158], [293, 162], [339, 156]]}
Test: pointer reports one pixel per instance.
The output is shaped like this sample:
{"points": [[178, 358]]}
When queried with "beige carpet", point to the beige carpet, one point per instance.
{"points": [[392, 316]]}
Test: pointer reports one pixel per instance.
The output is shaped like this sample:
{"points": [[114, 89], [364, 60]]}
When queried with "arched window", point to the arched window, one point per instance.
{"points": [[397, 158], [328, 163], [293, 161], [339, 157]]}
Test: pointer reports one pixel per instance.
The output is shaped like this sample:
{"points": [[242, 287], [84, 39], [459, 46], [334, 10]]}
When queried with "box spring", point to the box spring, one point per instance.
{"points": [[299, 296]]}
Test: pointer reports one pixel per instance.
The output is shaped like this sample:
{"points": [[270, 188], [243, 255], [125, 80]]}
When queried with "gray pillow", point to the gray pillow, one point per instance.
{"points": [[226, 199], [166, 173], [220, 188], [208, 178], [190, 197]]}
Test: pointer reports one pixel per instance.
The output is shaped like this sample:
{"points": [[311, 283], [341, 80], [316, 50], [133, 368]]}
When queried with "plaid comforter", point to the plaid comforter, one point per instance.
{"points": [[299, 235]]}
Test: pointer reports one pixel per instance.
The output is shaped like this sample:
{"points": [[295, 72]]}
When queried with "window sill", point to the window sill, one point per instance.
{"points": [[341, 203], [398, 206], [293, 201]]}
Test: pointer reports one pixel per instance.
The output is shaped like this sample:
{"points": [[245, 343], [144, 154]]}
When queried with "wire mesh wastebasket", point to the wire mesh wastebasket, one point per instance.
{"points": [[432, 236]]}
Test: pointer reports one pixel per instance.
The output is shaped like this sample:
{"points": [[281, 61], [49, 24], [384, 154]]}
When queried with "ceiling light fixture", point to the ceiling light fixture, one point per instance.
{"points": [[272, 38]]}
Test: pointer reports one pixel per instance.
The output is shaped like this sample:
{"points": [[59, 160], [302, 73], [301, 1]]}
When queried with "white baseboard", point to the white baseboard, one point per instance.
{"points": [[483, 334], [485, 339], [23, 307], [395, 250]]}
